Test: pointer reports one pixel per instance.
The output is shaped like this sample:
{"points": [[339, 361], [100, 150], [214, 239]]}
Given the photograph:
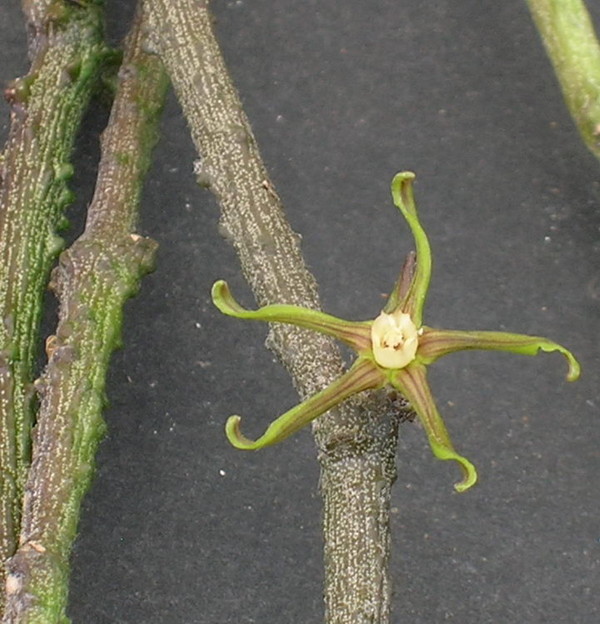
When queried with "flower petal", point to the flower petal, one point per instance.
{"points": [[403, 284], [434, 343], [355, 334], [414, 300], [412, 383], [363, 375]]}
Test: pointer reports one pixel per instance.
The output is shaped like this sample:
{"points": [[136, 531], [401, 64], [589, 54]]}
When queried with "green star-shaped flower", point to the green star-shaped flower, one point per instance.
{"points": [[393, 350]]}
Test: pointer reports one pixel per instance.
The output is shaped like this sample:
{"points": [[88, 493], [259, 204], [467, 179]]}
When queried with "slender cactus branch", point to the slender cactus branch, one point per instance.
{"points": [[356, 443], [571, 43], [94, 278], [47, 104]]}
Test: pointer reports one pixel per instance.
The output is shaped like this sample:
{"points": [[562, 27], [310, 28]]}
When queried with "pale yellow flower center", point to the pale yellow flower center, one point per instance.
{"points": [[395, 340]]}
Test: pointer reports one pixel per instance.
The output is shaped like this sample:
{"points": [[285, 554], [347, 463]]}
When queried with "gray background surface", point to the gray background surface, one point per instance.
{"points": [[181, 528]]}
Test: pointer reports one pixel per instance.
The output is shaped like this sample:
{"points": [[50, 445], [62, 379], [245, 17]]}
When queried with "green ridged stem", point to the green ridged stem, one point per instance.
{"points": [[94, 278], [568, 35], [46, 107]]}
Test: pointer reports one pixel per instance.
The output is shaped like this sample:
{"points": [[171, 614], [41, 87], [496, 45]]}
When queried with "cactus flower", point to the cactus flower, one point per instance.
{"points": [[392, 350]]}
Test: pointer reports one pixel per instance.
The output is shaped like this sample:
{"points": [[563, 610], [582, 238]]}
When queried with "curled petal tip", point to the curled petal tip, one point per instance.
{"points": [[470, 478], [469, 471], [403, 176], [236, 437], [218, 291], [218, 288], [226, 303], [402, 191], [222, 298], [574, 367]]}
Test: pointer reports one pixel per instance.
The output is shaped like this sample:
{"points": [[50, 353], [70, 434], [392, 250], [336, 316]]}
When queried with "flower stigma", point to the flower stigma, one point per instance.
{"points": [[395, 340]]}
